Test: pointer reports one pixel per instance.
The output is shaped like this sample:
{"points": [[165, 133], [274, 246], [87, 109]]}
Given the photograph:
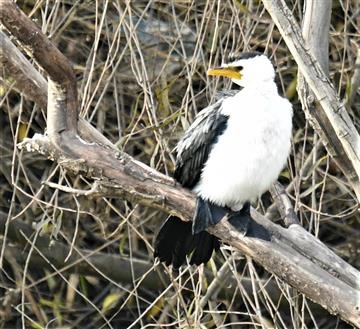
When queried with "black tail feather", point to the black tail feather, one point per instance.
{"points": [[175, 240], [208, 243]]}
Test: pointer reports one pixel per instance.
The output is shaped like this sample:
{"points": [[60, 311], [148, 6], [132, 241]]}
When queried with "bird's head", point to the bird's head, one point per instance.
{"points": [[249, 68]]}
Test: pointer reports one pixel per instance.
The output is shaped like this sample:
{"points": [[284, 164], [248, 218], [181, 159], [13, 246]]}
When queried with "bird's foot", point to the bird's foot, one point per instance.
{"points": [[241, 219], [243, 222], [206, 214]]}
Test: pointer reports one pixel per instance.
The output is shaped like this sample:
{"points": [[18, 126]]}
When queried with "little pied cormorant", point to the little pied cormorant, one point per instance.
{"points": [[231, 154]]}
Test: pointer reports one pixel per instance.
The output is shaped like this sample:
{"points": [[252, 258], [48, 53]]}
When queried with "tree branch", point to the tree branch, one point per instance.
{"points": [[331, 119], [293, 255], [27, 80]]}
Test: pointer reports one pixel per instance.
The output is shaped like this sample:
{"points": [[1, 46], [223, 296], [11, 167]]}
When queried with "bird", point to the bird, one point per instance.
{"points": [[229, 156]]}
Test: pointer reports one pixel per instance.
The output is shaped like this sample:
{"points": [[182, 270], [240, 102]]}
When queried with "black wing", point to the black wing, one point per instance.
{"points": [[194, 148]]}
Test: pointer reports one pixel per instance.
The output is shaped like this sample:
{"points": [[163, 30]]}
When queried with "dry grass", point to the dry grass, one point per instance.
{"points": [[141, 79]]}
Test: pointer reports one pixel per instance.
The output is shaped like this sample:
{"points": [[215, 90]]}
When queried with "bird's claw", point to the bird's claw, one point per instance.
{"points": [[206, 214]]}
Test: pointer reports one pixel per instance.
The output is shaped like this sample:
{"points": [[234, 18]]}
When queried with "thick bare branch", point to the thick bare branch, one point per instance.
{"points": [[315, 30], [293, 254], [24, 76], [27, 80], [52, 61]]}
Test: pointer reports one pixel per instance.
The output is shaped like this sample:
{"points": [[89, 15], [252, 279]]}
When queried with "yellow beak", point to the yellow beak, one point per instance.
{"points": [[228, 72]]}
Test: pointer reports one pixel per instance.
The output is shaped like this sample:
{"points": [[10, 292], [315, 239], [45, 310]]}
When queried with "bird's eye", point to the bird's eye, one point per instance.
{"points": [[237, 67]]}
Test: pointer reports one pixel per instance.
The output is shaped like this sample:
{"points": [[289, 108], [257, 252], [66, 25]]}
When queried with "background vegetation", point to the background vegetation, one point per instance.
{"points": [[141, 69]]}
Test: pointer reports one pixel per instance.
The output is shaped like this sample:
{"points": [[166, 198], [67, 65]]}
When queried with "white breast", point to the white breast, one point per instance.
{"points": [[251, 152]]}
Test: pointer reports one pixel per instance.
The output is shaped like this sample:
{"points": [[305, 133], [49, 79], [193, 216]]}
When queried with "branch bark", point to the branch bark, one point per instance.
{"points": [[315, 30], [293, 255], [27, 80], [331, 119]]}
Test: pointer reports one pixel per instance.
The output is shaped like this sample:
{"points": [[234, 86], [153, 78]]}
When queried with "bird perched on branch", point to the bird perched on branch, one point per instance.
{"points": [[231, 154]]}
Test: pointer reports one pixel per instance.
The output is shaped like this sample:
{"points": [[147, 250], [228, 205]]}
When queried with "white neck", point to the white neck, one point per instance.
{"points": [[264, 87]]}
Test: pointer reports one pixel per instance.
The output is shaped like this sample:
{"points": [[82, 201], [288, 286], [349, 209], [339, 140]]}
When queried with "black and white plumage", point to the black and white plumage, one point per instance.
{"points": [[230, 155], [194, 148]]}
